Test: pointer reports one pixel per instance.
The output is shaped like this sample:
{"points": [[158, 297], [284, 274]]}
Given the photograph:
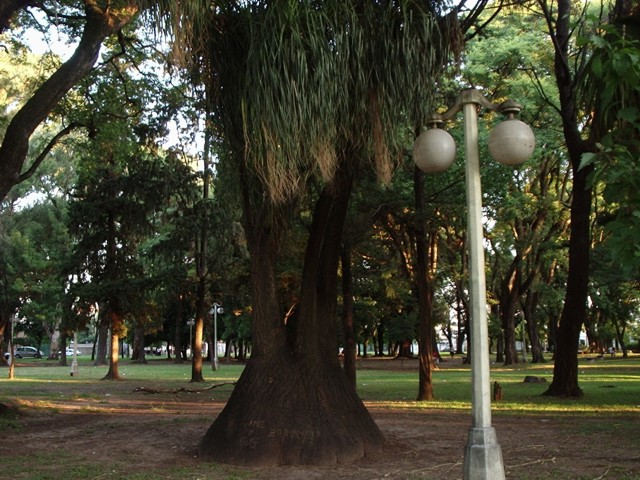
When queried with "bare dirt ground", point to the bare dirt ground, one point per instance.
{"points": [[116, 432]]}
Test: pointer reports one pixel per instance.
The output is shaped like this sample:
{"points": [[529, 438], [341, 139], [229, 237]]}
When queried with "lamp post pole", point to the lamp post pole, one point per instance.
{"points": [[483, 455], [217, 308], [74, 362], [434, 151]]}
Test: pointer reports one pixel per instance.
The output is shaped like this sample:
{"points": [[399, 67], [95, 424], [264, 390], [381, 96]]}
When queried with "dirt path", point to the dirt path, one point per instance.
{"points": [[130, 434]]}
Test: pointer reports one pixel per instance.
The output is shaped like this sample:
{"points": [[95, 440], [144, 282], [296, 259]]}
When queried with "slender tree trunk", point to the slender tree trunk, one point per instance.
{"points": [[380, 338], [532, 327], [201, 262], [426, 260], [196, 348], [508, 302]]}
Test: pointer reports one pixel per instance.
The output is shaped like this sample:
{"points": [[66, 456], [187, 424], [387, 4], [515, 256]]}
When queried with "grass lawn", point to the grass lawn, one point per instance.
{"points": [[80, 427]]}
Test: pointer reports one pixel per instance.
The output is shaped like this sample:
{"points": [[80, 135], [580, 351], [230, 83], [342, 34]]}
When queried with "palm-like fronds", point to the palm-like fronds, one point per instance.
{"points": [[294, 81]]}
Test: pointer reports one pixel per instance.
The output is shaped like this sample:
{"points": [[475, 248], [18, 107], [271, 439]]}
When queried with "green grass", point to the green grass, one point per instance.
{"points": [[610, 386]]}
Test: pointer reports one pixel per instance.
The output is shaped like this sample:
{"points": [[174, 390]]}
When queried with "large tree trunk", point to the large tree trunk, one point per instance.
{"points": [[137, 354], [101, 345], [293, 404], [117, 325]]}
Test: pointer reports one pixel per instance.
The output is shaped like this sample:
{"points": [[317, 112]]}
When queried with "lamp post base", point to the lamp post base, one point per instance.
{"points": [[483, 455]]}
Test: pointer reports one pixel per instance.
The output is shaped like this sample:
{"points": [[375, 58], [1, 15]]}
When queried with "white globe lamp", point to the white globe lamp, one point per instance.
{"points": [[511, 142], [434, 150]]}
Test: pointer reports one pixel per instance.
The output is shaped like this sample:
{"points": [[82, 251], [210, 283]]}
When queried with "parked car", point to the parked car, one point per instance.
{"points": [[26, 352], [69, 352]]}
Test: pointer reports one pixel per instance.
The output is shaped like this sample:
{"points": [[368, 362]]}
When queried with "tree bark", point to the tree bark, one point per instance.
{"points": [[426, 260], [196, 348], [509, 295], [137, 354], [293, 404], [15, 145], [101, 347], [528, 308], [117, 323]]}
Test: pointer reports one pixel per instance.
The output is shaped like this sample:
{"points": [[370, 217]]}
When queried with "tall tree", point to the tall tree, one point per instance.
{"points": [[570, 67], [303, 88]]}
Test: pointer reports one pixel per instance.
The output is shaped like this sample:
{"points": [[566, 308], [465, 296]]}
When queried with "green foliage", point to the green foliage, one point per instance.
{"points": [[283, 108], [615, 73]]}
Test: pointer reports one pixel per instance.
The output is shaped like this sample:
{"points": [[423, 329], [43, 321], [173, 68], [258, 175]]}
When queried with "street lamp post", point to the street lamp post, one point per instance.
{"points": [[191, 322], [510, 143], [215, 310], [74, 363]]}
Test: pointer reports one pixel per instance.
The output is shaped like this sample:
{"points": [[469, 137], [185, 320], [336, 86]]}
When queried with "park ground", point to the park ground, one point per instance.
{"points": [[93, 429]]}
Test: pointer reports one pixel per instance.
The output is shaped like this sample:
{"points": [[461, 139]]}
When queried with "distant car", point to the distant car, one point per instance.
{"points": [[69, 352], [26, 352]]}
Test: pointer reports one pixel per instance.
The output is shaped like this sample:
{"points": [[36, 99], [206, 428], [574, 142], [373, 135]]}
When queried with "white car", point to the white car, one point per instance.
{"points": [[69, 352]]}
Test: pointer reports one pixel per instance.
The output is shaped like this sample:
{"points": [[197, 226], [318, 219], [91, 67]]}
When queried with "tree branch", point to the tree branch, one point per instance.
{"points": [[40, 158]]}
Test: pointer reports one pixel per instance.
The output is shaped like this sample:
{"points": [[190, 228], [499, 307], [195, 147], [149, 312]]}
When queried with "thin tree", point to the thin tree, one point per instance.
{"points": [[560, 17]]}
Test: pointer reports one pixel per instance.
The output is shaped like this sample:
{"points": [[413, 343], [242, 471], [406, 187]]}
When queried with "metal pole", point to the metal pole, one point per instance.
{"points": [[483, 455], [74, 363], [215, 336]]}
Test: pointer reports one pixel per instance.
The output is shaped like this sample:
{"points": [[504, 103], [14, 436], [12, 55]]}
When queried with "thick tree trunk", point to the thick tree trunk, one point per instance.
{"points": [[62, 359], [137, 354], [101, 347], [293, 404], [55, 342], [565, 371], [117, 323]]}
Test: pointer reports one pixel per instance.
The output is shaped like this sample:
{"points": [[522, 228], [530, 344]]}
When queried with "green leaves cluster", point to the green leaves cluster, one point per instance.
{"points": [[615, 73]]}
